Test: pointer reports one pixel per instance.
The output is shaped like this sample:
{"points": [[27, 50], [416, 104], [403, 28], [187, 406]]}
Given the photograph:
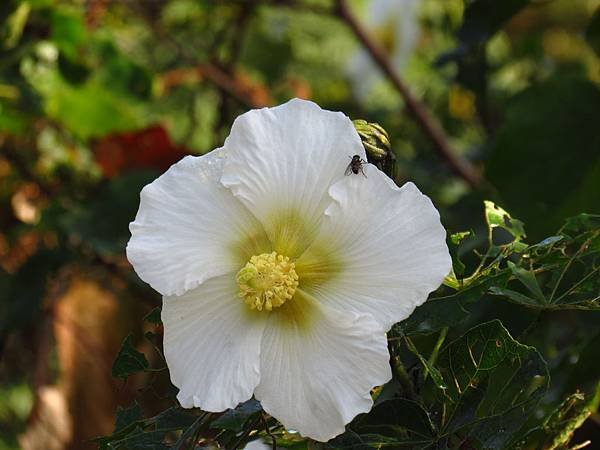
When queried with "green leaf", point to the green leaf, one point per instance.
{"points": [[109, 111], [433, 315], [353, 441], [454, 242], [389, 417], [529, 280], [457, 238], [515, 296], [127, 416], [559, 427], [187, 434], [138, 439], [497, 217], [563, 272], [429, 368], [129, 360], [67, 29], [144, 433], [175, 418], [493, 381], [234, 419], [483, 18], [154, 316], [14, 25]]}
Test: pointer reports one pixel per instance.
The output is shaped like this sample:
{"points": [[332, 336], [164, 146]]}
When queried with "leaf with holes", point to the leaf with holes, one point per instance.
{"points": [[493, 384]]}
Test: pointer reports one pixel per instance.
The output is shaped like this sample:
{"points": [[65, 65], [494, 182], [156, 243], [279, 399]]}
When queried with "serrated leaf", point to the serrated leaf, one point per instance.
{"points": [[129, 360]]}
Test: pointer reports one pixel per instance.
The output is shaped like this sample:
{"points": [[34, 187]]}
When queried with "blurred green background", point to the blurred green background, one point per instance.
{"points": [[97, 97]]}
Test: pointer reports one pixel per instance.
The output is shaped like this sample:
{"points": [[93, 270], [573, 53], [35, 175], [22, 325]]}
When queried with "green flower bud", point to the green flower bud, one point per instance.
{"points": [[377, 145]]}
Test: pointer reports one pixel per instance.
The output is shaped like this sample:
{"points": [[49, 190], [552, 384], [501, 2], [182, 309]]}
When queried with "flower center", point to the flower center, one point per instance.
{"points": [[267, 281]]}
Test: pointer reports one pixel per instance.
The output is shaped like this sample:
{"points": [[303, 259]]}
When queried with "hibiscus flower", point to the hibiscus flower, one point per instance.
{"points": [[280, 274]]}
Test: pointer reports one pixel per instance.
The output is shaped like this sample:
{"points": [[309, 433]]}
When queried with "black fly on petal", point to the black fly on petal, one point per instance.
{"points": [[356, 166]]}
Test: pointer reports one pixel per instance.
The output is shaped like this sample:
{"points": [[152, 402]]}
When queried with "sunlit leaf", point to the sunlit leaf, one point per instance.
{"points": [[557, 430]]}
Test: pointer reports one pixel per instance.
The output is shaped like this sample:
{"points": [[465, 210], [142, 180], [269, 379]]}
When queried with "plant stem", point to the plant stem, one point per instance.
{"points": [[416, 108], [436, 350]]}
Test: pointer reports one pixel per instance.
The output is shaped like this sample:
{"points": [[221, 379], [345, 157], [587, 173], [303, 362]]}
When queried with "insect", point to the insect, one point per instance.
{"points": [[355, 166]]}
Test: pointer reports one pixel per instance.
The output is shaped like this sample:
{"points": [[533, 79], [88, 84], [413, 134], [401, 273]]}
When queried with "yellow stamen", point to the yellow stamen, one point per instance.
{"points": [[267, 281]]}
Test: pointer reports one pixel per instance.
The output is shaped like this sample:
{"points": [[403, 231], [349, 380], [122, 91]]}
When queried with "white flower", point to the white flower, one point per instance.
{"points": [[394, 25], [257, 444], [280, 275]]}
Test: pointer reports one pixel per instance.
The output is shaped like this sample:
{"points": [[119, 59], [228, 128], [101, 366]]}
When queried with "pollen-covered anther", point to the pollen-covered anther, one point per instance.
{"points": [[267, 281]]}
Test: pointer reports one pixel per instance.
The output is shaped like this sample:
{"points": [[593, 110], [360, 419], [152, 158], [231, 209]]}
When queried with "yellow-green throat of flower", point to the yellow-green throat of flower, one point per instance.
{"points": [[267, 281]]}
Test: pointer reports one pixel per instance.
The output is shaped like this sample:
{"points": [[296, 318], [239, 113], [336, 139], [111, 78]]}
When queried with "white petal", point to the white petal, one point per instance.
{"points": [[316, 378], [281, 162], [212, 345], [389, 245], [257, 444], [189, 227]]}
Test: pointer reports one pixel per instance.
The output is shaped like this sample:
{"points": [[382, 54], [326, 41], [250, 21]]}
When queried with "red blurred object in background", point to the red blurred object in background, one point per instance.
{"points": [[150, 148]]}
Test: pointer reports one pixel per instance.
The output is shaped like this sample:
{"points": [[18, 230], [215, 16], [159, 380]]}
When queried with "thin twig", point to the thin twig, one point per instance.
{"points": [[250, 95], [416, 108], [266, 425], [246, 433]]}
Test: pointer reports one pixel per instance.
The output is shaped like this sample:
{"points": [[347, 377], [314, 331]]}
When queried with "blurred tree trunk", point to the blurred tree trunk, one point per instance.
{"points": [[90, 320]]}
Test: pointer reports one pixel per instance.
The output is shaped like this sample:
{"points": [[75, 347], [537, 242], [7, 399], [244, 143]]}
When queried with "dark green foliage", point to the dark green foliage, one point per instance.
{"points": [[557, 430], [493, 384], [129, 360], [131, 431], [561, 272], [479, 25], [126, 416], [547, 165], [235, 419], [154, 316], [592, 33]]}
